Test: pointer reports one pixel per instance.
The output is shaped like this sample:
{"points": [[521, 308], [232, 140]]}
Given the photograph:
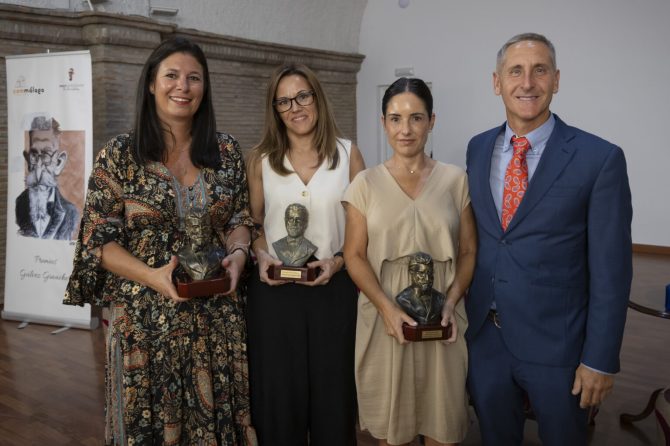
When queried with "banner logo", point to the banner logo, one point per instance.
{"points": [[20, 87], [68, 85]]}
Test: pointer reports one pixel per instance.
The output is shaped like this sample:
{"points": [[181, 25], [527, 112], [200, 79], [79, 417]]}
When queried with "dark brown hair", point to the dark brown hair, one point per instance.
{"points": [[148, 133], [409, 85]]}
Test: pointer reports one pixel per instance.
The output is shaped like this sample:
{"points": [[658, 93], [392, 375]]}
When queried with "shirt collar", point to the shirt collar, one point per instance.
{"points": [[52, 195], [537, 138]]}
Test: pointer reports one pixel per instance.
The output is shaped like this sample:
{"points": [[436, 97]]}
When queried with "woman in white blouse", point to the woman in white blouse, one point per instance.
{"points": [[301, 335]]}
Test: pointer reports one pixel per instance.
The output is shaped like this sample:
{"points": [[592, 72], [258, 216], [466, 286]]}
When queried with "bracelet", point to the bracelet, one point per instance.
{"points": [[245, 250], [234, 245]]}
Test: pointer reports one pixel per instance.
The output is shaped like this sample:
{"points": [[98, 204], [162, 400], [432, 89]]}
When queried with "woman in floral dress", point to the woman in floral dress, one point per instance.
{"points": [[176, 367]]}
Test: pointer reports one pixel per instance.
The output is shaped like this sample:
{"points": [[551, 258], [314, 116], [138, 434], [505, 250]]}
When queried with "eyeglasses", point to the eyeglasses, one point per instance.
{"points": [[45, 157], [303, 98]]}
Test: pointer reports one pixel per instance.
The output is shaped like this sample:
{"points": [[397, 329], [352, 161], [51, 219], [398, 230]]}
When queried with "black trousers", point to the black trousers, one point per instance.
{"points": [[301, 362]]}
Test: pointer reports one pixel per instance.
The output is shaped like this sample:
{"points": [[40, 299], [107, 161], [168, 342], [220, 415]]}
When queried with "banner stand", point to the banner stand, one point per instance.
{"points": [[49, 158], [27, 319]]}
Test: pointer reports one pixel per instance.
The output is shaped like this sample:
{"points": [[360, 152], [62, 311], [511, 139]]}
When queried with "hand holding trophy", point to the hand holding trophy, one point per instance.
{"points": [[294, 250], [200, 272], [422, 302]]}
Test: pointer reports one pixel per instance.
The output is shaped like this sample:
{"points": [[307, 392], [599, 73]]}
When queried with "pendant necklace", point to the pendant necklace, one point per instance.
{"points": [[411, 171]]}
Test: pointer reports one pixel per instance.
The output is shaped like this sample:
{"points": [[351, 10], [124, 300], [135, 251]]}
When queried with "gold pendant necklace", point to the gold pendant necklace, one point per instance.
{"points": [[411, 171]]}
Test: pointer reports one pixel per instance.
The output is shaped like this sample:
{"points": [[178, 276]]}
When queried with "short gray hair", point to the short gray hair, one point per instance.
{"points": [[43, 123], [533, 37]]}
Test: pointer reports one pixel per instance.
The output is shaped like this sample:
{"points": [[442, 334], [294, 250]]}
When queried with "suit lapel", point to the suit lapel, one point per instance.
{"points": [[484, 176], [557, 154]]}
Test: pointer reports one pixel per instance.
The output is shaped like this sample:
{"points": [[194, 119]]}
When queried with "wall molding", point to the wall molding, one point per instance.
{"points": [[119, 45], [651, 249]]}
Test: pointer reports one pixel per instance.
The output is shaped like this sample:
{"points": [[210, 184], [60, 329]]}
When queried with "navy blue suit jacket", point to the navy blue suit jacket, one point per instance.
{"points": [[561, 272]]}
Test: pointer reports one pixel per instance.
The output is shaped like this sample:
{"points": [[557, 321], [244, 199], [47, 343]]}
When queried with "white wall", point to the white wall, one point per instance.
{"points": [[614, 58], [324, 24]]}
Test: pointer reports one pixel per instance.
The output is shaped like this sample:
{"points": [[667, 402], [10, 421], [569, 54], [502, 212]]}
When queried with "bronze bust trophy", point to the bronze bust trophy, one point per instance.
{"points": [[294, 250], [200, 272], [422, 302]]}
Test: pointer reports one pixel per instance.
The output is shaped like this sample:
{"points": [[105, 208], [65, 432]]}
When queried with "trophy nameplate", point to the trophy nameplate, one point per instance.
{"points": [[292, 273], [432, 332], [187, 287]]}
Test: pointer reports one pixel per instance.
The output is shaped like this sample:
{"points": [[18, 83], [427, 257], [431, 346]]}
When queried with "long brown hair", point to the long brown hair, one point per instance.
{"points": [[274, 142], [148, 132]]}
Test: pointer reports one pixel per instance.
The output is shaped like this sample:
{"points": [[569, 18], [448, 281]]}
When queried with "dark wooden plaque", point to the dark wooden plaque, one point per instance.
{"points": [[419, 333], [292, 273], [187, 287]]}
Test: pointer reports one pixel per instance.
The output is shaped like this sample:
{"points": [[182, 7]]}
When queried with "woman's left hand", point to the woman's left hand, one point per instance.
{"points": [[234, 264], [328, 267], [449, 318]]}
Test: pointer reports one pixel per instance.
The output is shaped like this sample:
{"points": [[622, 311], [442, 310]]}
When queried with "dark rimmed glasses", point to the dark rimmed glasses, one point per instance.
{"points": [[44, 156], [303, 98]]}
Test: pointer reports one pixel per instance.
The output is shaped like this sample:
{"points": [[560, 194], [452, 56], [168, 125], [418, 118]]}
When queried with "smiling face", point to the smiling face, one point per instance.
{"points": [[178, 88], [407, 124], [527, 80], [300, 120]]}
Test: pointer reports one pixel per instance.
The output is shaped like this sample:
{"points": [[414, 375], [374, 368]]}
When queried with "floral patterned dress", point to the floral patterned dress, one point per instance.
{"points": [[176, 372]]}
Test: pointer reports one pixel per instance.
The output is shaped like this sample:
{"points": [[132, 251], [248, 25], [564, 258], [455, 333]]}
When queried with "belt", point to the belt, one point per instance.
{"points": [[493, 317]]}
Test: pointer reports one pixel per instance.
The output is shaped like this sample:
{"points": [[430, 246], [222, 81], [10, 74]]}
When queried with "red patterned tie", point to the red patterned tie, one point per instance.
{"points": [[516, 180]]}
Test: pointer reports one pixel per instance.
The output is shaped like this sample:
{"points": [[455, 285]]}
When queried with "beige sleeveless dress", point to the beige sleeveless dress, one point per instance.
{"points": [[417, 388]]}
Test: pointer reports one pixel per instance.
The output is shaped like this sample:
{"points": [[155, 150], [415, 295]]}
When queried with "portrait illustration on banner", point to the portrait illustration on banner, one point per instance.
{"points": [[50, 205]]}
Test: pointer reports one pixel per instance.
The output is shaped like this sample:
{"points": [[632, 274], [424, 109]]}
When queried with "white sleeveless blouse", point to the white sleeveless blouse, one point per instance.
{"points": [[321, 196]]}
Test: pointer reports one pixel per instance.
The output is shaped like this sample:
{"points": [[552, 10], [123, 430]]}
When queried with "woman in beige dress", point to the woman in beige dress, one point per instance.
{"points": [[408, 204]]}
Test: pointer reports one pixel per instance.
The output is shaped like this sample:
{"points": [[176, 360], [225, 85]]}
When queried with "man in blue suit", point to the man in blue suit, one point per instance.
{"points": [[547, 305]]}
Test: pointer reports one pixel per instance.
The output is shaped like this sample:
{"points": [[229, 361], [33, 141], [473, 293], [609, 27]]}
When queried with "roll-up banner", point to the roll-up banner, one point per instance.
{"points": [[50, 141]]}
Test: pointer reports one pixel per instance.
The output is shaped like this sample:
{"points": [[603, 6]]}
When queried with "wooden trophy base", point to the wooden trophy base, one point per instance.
{"points": [[419, 333], [292, 273], [187, 287]]}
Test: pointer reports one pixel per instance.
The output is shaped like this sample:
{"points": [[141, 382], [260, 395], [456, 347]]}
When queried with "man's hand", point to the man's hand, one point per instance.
{"points": [[593, 386]]}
